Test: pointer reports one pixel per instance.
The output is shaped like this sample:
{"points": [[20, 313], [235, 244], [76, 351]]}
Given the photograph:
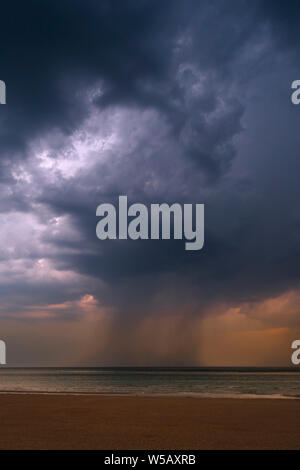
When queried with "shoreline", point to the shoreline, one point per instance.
{"points": [[54, 421], [187, 395]]}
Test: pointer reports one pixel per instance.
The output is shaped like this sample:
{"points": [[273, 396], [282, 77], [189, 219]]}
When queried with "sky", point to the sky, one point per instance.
{"points": [[169, 101]]}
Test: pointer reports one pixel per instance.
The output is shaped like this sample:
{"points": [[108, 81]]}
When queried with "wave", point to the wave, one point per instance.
{"points": [[239, 396]]}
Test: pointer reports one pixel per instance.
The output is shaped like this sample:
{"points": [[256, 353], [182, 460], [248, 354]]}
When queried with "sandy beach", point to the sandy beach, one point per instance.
{"points": [[104, 422]]}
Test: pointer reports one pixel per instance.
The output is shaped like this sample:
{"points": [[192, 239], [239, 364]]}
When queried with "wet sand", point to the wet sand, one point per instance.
{"points": [[105, 422]]}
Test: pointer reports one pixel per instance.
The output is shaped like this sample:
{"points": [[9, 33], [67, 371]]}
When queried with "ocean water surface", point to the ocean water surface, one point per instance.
{"points": [[208, 382]]}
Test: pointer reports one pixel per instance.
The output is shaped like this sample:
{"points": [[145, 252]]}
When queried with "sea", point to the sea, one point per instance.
{"points": [[155, 381]]}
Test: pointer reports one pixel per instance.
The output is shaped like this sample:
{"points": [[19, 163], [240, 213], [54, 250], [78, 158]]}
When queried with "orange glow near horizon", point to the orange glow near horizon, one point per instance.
{"points": [[246, 335]]}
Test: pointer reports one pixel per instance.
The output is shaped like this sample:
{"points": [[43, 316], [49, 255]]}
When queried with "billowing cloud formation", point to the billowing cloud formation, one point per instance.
{"points": [[164, 102]]}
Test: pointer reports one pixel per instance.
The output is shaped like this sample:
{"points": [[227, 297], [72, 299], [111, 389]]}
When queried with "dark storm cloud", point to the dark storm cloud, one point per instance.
{"points": [[169, 87], [51, 51], [284, 20]]}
